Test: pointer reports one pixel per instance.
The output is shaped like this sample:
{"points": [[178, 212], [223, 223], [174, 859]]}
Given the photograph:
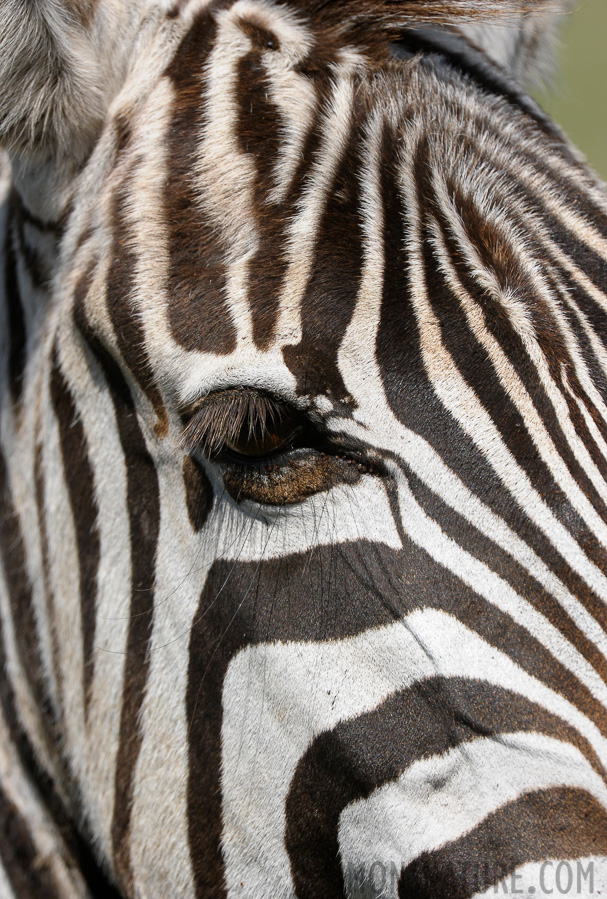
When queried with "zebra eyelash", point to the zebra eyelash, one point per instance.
{"points": [[220, 418]]}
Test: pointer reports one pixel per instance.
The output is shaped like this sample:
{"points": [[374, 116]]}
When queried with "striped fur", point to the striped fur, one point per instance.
{"points": [[384, 649]]}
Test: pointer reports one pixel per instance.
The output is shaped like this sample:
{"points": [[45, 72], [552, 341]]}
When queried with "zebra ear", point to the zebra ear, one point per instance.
{"points": [[524, 45], [54, 83]]}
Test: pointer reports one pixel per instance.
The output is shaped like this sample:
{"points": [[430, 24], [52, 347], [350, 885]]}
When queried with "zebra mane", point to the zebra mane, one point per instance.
{"points": [[402, 12], [519, 35]]}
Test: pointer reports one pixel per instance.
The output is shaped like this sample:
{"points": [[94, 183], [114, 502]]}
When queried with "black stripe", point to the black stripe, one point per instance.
{"points": [[80, 482], [198, 492], [33, 261], [559, 823]]}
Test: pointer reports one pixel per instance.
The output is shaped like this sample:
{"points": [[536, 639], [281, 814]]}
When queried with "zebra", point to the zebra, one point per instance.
{"points": [[303, 446]]}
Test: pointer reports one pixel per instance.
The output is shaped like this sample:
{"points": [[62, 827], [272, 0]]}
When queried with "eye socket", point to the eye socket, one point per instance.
{"points": [[270, 452]]}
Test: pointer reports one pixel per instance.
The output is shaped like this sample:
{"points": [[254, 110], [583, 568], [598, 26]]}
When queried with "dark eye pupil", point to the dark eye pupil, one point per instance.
{"points": [[259, 441]]}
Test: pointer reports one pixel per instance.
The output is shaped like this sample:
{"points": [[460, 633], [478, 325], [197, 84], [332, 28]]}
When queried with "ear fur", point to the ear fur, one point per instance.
{"points": [[54, 79]]}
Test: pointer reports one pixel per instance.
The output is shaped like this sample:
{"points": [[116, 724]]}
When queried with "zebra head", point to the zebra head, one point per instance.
{"points": [[303, 452]]}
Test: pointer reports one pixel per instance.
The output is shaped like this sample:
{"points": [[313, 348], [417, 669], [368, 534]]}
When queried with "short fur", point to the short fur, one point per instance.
{"points": [[244, 679]]}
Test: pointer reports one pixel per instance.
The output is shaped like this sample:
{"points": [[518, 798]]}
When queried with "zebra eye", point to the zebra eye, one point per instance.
{"points": [[259, 442], [246, 425]]}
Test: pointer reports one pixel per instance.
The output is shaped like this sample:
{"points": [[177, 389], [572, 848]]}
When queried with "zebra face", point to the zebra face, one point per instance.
{"points": [[304, 458]]}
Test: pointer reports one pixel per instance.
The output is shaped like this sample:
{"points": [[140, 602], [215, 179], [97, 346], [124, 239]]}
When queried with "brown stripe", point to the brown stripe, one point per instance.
{"points": [[560, 823], [199, 316], [80, 482]]}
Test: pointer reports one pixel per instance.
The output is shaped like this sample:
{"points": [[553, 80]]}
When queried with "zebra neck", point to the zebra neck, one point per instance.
{"points": [[44, 190]]}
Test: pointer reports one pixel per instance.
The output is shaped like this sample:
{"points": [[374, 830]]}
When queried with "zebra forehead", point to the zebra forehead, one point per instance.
{"points": [[260, 174]]}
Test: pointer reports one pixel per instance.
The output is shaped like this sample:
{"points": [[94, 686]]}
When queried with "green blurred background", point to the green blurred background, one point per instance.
{"points": [[578, 97]]}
